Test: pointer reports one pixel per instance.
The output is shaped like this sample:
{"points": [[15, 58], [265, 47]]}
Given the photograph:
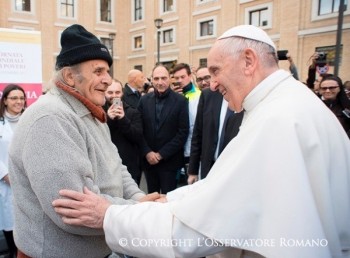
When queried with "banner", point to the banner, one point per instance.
{"points": [[20, 61]]}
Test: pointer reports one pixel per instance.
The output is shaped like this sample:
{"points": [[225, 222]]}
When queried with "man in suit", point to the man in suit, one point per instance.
{"points": [[208, 131], [134, 87], [125, 125], [165, 130]]}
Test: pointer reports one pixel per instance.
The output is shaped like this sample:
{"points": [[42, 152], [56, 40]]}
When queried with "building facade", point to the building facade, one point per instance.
{"points": [[188, 30]]}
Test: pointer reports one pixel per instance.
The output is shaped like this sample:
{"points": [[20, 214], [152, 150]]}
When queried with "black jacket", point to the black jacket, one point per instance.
{"points": [[126, 134], [205, 132], [167, 135]]}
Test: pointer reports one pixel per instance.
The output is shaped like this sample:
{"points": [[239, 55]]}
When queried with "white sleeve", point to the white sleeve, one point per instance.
{"points": [[150, 230], [180, 192]]}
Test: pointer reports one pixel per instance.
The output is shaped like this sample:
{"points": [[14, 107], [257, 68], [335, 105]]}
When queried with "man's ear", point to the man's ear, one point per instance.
{"points": [[250, 59], [68, 76]]}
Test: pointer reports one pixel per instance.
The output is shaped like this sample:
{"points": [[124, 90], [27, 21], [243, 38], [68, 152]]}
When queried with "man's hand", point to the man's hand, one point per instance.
{"points": [[116, 112], [153, 158], [192, 179], [150, 197], [81, 209]]}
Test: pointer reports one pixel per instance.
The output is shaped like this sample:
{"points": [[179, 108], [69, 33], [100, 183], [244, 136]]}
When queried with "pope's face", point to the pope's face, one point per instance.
{"points": [[227, 77], [93, 80]]}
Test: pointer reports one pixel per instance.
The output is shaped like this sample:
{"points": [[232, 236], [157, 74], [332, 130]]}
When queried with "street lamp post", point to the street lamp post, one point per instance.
{"points": [[111, 38], [158, 23]]}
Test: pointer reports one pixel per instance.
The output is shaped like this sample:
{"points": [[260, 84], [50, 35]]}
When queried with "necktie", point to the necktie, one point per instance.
{"points": [[229, 113]]}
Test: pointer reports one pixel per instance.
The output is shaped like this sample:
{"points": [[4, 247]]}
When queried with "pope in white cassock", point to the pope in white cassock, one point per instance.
{"points": [[281, 187]]}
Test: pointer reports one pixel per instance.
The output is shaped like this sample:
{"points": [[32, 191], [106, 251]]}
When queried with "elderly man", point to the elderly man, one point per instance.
{"points": [[63, 141], [280, 188]]}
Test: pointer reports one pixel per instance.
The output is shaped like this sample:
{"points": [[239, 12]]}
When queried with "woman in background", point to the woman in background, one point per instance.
{"points": [[12, 105], [334, 96]]}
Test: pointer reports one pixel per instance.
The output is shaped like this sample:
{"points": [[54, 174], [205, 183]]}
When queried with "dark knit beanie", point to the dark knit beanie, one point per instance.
{"points": [[79, 45]]}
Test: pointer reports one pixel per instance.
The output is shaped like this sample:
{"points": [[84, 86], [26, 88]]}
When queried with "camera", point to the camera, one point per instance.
{"points": [[282, 54], [321, 59]]}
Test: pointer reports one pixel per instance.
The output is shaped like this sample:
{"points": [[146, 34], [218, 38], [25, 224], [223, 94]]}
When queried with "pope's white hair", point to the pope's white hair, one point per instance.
{"points": [[234, 46]]}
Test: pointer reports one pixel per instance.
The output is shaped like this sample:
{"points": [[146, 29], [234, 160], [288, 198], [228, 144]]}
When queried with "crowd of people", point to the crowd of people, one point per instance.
{"points": [[269, 154]]}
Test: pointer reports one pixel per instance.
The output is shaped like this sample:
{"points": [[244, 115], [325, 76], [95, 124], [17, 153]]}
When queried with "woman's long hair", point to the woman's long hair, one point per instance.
{"points": [[5, 93]]}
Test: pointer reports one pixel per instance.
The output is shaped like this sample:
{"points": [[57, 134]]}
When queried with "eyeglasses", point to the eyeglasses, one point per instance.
{"points": [[17, 98], [328, 88], [205, 78]]}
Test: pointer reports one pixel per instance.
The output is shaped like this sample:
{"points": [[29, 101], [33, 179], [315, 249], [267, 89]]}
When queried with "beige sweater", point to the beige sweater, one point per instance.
{"points": [[58, 144]]}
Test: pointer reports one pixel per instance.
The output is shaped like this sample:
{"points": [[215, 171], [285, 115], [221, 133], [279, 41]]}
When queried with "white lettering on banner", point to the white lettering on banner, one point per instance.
{"points": [[31, 95]]}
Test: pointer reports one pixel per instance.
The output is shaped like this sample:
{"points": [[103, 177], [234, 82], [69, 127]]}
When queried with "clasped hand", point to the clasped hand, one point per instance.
{"points": [[88, 209]]}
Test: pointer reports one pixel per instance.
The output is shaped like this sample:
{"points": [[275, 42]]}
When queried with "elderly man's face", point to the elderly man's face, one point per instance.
{"points": [[160, 79], [93, 80]]}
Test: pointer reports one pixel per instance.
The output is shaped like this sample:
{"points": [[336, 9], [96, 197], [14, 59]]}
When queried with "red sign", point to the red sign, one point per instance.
{"points": [[33, 91]]}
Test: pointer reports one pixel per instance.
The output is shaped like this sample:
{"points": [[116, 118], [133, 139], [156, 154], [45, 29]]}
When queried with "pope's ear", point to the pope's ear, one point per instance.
{"points": [[68, 76], [250, 59]]}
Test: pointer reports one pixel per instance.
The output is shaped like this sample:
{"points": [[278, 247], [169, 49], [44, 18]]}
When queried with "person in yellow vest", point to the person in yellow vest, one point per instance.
{"points": [[183, 78]]}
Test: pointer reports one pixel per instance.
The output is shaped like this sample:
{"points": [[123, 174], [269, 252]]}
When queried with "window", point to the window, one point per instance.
{"points": [[168, 36], [23, 5], [138, 10], [108, 43], [138, 67], [206, 28], [324, 9], [67, 8], [105, 10], [329, 6], [259, 15], [168, 6], [203, 62], [138, 42]]}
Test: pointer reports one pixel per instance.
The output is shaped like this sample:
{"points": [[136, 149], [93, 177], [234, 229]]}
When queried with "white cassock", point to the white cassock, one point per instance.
{"points": [[281, 188]]}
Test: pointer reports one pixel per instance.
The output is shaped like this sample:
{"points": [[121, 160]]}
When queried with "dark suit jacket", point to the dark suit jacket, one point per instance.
{"points": [[170, 138], [126, 134], [130, 97], [205, 132]]}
